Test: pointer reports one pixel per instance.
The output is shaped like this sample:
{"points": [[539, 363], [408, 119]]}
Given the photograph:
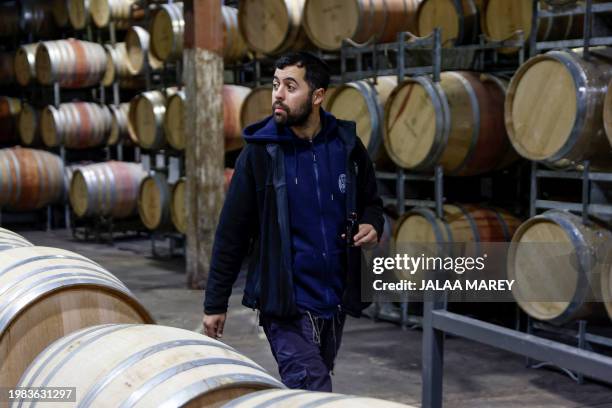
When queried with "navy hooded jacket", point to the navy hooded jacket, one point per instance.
{"points": [[286, 206]]}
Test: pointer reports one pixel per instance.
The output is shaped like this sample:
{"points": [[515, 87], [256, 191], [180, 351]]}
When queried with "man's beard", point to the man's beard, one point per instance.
{"points": [[298, 118]]}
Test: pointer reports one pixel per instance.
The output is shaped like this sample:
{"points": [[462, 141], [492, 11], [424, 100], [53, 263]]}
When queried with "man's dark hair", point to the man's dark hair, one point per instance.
{"points": [[317, 71]]}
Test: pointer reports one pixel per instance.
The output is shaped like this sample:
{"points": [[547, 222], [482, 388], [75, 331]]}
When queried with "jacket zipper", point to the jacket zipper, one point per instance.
{"points": [[316, 173]]}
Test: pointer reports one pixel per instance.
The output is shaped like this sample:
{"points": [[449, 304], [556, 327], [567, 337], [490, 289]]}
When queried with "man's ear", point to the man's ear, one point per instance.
{"points": [[318, 96]]}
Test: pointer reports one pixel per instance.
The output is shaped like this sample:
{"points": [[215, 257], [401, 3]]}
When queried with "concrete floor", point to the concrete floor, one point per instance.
{"points": [[377, 359]]}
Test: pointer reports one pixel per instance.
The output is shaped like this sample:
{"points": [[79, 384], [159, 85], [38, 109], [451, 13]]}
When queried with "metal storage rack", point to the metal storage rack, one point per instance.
{"points": [[577, 361]]}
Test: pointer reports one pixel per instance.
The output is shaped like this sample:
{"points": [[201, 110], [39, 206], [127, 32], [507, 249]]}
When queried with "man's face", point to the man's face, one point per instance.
{"points": [[292, 101]]}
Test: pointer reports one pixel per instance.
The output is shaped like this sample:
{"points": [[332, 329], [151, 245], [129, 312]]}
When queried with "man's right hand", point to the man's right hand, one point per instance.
{"points": [[213, 325]]}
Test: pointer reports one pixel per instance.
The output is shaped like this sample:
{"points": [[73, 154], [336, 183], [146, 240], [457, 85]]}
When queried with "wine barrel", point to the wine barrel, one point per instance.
{"points": [[174, 121], [145, 120], [76, 125], [167, 30], [106, 189], [234, 46], [78, 13], [502, 19], [458, 21], [257, 106], [554, 109], [178, 212], [274, 26], [608, 113], [155, 366], [9, 112], [137, 42], [331, 90], [154, 202], [9, 19], [310, 399], [7, 68], [30, 179], [48, 293], [362, 20], [59, 11], [28, 125], [233, 101], [556, 262], [363, 103], [117, 66], [72, 63], [456, 123], [119, 124], [10, 239], [103, 12], [25, 64]]}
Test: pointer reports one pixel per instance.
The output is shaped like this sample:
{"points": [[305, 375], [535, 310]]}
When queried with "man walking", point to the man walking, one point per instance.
{"points": [[301, 182]]}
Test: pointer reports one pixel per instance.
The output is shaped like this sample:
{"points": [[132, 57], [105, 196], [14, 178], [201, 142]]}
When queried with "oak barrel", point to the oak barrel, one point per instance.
{"points": [[79, 13], [167, 30], [10, 239], [554, 109], [48, 293], [119, 124], [9, 114], [557, 262], [145, 119], [30, 179], [310, 399], [178, 212], [137, 42], [154, 202], [28, 125], [106, 189], [272, 26], [456, 123], [76, 125], [123, 365], [328, 23], [234, 46], [36, 18], [257, 106], [503, 19], [72, 63], [458, 20], [363, 103], [103, 12], [174, 121], [117, 66], [233, 101], [25, 64]]}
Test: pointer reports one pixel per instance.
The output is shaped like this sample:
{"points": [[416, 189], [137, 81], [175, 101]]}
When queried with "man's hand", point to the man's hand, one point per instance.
{"points": [[213, 325], [366, 237]]}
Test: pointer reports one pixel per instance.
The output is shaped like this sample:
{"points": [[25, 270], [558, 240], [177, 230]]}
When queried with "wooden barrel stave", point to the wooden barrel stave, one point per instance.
{"points": [[234, 46], [25, 64], [234, 97], [174, 121], [557, 263], [458, 21], [119, 124], [145, 120], [256, 106], [167, 31], [61, 292], [103, 12], [138, 46]]}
